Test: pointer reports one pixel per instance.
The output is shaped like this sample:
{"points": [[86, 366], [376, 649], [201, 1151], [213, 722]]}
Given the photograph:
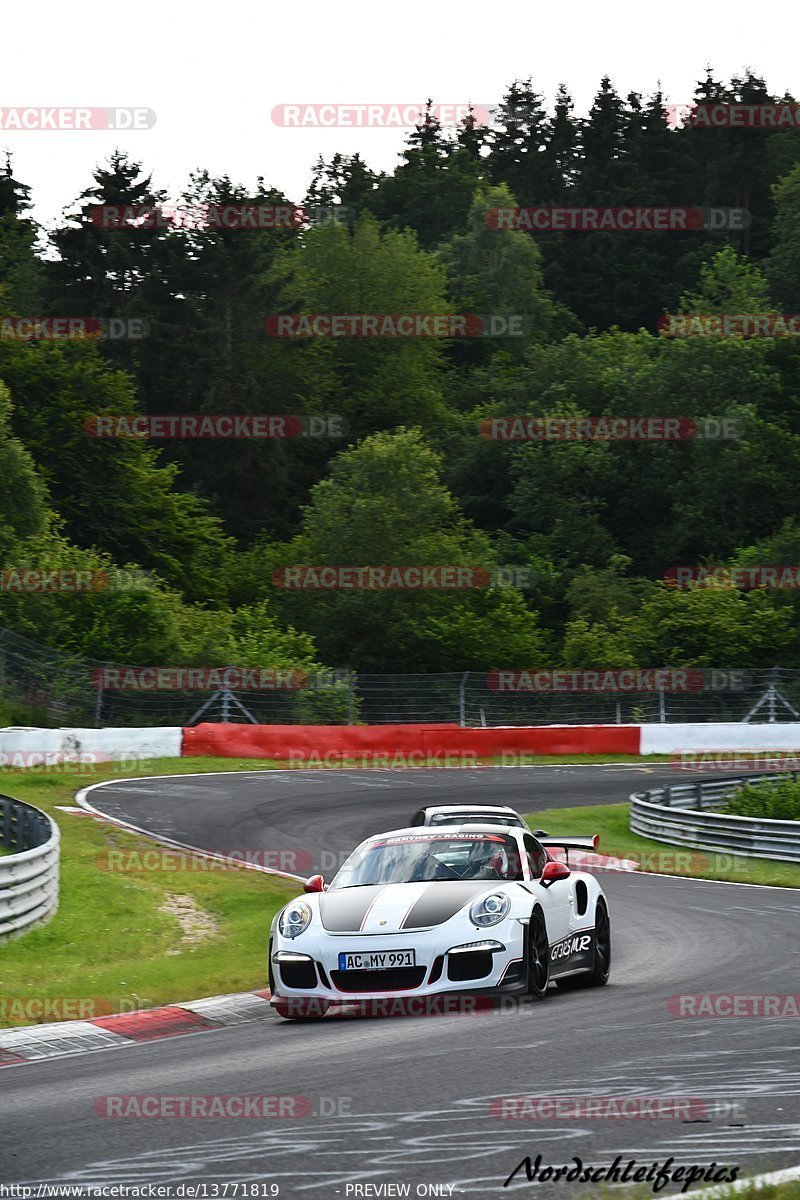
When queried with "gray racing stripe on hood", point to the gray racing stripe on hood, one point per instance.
{"points": [[344, 911], [440, 901]]}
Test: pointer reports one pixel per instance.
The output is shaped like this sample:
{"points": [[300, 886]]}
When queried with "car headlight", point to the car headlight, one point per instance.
{"points": [[490, 909], [294, 919]]}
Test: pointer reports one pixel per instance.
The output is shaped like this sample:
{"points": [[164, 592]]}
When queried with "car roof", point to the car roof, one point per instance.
{"points": [[465, 808]]}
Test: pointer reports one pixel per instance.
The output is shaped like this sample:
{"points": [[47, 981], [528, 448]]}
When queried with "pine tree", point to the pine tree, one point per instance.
{"points": [[562, 151], [20, 269], [603, 145], [518, 144], [472, 136], [431, 190], [109, 272]]}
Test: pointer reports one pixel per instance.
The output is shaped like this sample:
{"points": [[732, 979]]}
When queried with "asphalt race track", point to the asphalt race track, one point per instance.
{"points": [[316, 817], [411, 1097]]}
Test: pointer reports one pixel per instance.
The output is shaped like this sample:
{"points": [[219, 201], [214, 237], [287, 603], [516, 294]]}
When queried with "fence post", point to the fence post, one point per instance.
{"points": [[350, 696], [98, 704], [662, 706], [462, 700]]}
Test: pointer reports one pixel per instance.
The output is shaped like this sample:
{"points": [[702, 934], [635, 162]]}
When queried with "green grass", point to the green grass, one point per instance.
{"points": [[108, 945], [178, 766], [89, 773], [545, 760], [611, 822], [356, 760]]}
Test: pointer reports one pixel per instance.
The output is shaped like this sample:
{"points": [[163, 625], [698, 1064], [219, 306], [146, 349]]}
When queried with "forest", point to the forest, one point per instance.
{"points": [[392, 457]]}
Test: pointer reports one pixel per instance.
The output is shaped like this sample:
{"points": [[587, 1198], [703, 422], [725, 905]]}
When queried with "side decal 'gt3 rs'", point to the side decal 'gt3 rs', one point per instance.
{"points": [[572, 953]]}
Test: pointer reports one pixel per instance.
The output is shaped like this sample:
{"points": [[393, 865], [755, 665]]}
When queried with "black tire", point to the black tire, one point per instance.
{"points": [[601, 967], [538, 956]]}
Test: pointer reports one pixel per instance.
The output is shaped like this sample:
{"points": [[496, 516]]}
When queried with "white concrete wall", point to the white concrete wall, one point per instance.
{"points": [[671, 739], [22, 746]]}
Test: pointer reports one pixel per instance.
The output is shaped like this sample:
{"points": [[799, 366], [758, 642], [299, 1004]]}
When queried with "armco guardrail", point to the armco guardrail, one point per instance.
{"points": [[683, 815], [29, 875]]}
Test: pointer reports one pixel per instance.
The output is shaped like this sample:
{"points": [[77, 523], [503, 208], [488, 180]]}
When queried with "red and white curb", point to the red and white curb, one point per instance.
{"points": [[32, 1043]]}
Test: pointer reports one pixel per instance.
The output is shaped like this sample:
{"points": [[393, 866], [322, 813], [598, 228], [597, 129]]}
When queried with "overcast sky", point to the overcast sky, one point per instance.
{"points": [[214, 73]]}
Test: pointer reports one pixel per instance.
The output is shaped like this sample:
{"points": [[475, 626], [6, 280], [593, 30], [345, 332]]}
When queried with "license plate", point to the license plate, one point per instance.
{"points": [[376, 960]]}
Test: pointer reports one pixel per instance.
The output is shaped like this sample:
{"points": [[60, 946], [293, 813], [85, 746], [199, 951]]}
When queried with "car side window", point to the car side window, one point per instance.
{"points": [[535, 854]]}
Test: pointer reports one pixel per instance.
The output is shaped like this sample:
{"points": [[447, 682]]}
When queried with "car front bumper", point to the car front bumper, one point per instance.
{"points": [[300, 968]]}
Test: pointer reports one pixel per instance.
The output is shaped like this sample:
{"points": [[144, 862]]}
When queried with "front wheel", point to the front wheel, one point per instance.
{"points": [[601, 967], [538, 956]]}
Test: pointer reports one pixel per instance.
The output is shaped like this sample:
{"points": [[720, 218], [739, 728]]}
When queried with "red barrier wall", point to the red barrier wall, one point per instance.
{"points": [[345, 741]]}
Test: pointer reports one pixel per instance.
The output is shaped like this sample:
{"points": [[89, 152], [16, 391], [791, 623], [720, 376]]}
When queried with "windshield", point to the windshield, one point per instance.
{"points": [[477, 817], [409, 858]]}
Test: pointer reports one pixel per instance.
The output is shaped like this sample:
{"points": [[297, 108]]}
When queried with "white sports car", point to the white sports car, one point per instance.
{"points": [[426, 911], [458, 814]]}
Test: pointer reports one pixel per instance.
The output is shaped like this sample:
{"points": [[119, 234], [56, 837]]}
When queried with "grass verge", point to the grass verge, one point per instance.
{"points": [[611, 822], [555, 760], [125, 941]]}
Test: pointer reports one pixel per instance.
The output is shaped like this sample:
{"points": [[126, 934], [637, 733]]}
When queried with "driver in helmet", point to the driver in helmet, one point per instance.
{"points": [[487, 860]]}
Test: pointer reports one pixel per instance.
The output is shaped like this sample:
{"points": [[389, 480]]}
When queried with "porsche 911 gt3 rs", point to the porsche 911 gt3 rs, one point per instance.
{"points": [[426, 911]]}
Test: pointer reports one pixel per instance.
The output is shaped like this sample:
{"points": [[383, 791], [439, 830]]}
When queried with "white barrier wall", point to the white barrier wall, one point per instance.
{"points": [[673, 739], [22, 746]]}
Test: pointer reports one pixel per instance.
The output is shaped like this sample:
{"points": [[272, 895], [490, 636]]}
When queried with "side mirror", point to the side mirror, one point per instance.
{"points": [[553, 871], [316, 883]]}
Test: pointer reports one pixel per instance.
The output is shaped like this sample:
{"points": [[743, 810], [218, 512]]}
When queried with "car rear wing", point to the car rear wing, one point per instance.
{"points": [[570, 842]]}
